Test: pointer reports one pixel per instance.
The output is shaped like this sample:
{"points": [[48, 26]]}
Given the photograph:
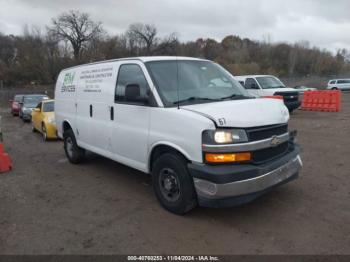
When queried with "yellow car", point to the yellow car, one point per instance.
{"points": [[43, 119]]}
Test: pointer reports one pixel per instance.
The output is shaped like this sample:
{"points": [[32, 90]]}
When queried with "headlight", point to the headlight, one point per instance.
{"points": [[51, 120], [229, 136]]}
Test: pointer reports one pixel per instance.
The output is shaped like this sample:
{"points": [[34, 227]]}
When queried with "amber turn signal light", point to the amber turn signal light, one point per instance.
{"points": [[227, 158]]}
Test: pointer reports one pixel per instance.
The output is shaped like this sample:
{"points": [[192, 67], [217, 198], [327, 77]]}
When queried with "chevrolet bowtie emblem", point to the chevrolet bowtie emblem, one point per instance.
{"points": [[275, 141]]}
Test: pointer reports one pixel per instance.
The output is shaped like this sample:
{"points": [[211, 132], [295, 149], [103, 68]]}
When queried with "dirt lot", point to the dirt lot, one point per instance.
{"points": [[48, 206]]}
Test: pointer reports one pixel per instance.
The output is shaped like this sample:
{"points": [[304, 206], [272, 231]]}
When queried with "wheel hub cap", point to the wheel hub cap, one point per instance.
{"points": [[169, 185]]}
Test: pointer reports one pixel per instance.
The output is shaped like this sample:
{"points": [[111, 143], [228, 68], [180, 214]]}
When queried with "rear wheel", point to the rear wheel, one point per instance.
{"points": [[74, 153], [173, 184], [334, 88]]}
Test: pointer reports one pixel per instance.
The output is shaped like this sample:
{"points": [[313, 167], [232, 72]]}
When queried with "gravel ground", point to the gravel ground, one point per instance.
{"points": [[48, 206]]}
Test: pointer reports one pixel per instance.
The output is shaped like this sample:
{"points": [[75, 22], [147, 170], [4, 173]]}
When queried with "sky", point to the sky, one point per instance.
{"points": [[323, 23]]}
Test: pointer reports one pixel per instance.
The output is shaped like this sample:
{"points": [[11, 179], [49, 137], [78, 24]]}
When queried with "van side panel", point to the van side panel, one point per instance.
{"points": [[65, 95], [180, 129]]}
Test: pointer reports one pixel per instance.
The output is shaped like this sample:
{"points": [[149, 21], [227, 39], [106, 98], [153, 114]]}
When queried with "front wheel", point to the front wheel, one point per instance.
{"points": [[334, 88], [173, 184], [44, 132], [74, 153]]}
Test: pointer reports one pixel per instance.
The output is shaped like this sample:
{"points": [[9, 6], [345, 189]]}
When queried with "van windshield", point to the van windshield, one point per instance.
{"points": [[269, 82], [193, 82]]}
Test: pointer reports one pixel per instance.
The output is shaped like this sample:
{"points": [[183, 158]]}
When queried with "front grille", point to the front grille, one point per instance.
{"points": [[288, 96], [267, 154], [255, 134]]}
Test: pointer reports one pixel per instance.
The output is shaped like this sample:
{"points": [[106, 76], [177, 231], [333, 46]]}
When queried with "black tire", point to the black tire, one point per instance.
{"points": [[33, 129], [43, 132], [334, 88], [74, 153], [172, 184]]}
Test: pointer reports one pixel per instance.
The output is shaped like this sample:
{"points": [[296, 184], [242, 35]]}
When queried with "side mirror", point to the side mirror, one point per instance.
{"points": [[133, 94]]}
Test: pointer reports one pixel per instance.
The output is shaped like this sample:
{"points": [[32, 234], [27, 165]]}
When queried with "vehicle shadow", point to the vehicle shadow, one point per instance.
{"points": [[273, 202]]}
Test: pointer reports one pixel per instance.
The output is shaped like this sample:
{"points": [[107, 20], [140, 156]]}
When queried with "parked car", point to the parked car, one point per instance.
{"points": [[185, 121], [339, 84], [266, 85], [43, 119], [28, 103], [15, 104], [302, 89]]}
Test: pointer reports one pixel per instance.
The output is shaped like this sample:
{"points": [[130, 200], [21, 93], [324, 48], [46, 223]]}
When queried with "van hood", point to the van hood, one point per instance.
{"points": [[243, 113]]}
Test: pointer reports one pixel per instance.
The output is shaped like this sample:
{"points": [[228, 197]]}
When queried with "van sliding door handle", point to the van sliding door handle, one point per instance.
{"points": [[90, 110], [111, 109]]}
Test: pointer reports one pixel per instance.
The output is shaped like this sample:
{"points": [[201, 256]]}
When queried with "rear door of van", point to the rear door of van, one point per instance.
{"points": [[65, 99]]}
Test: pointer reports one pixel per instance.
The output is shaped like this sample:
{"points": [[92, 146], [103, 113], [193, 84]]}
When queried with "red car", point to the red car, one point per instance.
{"points": [[15, 106]]}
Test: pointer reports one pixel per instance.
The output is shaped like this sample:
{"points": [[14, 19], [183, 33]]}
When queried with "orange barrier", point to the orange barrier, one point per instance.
{"points": [[274, 97], [5, 160], [325, 101]]}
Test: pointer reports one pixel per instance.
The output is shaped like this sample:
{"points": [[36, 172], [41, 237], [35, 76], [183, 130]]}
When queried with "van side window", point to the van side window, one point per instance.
{"points": [[130, 74], [250, 83], [343, 81], [332, 82]]}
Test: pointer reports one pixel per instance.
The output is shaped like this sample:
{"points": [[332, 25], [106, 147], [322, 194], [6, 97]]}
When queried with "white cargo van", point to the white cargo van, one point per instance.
{"points": [[266, 85], [185, 121]]}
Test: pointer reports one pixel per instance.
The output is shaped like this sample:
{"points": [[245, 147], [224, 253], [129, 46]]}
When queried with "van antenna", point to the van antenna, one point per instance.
{"points": [[177, 84]]}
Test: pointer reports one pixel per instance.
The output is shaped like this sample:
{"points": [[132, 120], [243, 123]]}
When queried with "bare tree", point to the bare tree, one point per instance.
{"points": [[77, 28], [143, 36]]}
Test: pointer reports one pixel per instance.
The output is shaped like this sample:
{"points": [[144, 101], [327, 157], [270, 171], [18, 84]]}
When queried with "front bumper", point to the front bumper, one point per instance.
{"points": [[292, 105], [27, 115], [15, 111], [222, 186]]}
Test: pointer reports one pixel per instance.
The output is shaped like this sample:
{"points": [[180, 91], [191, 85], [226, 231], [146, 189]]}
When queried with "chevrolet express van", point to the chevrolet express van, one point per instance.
{"points": [[266, 85], [187, 122]]}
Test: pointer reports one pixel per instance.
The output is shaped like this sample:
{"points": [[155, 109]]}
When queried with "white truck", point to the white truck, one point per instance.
{"points": [[267, 85], [185, 121]]}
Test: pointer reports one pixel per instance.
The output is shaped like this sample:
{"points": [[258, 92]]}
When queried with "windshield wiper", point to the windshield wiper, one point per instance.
{"points": [[234, 96], [194, 98]]}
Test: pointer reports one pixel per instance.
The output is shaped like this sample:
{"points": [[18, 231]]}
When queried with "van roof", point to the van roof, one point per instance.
{"points": [[142, 59]]}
